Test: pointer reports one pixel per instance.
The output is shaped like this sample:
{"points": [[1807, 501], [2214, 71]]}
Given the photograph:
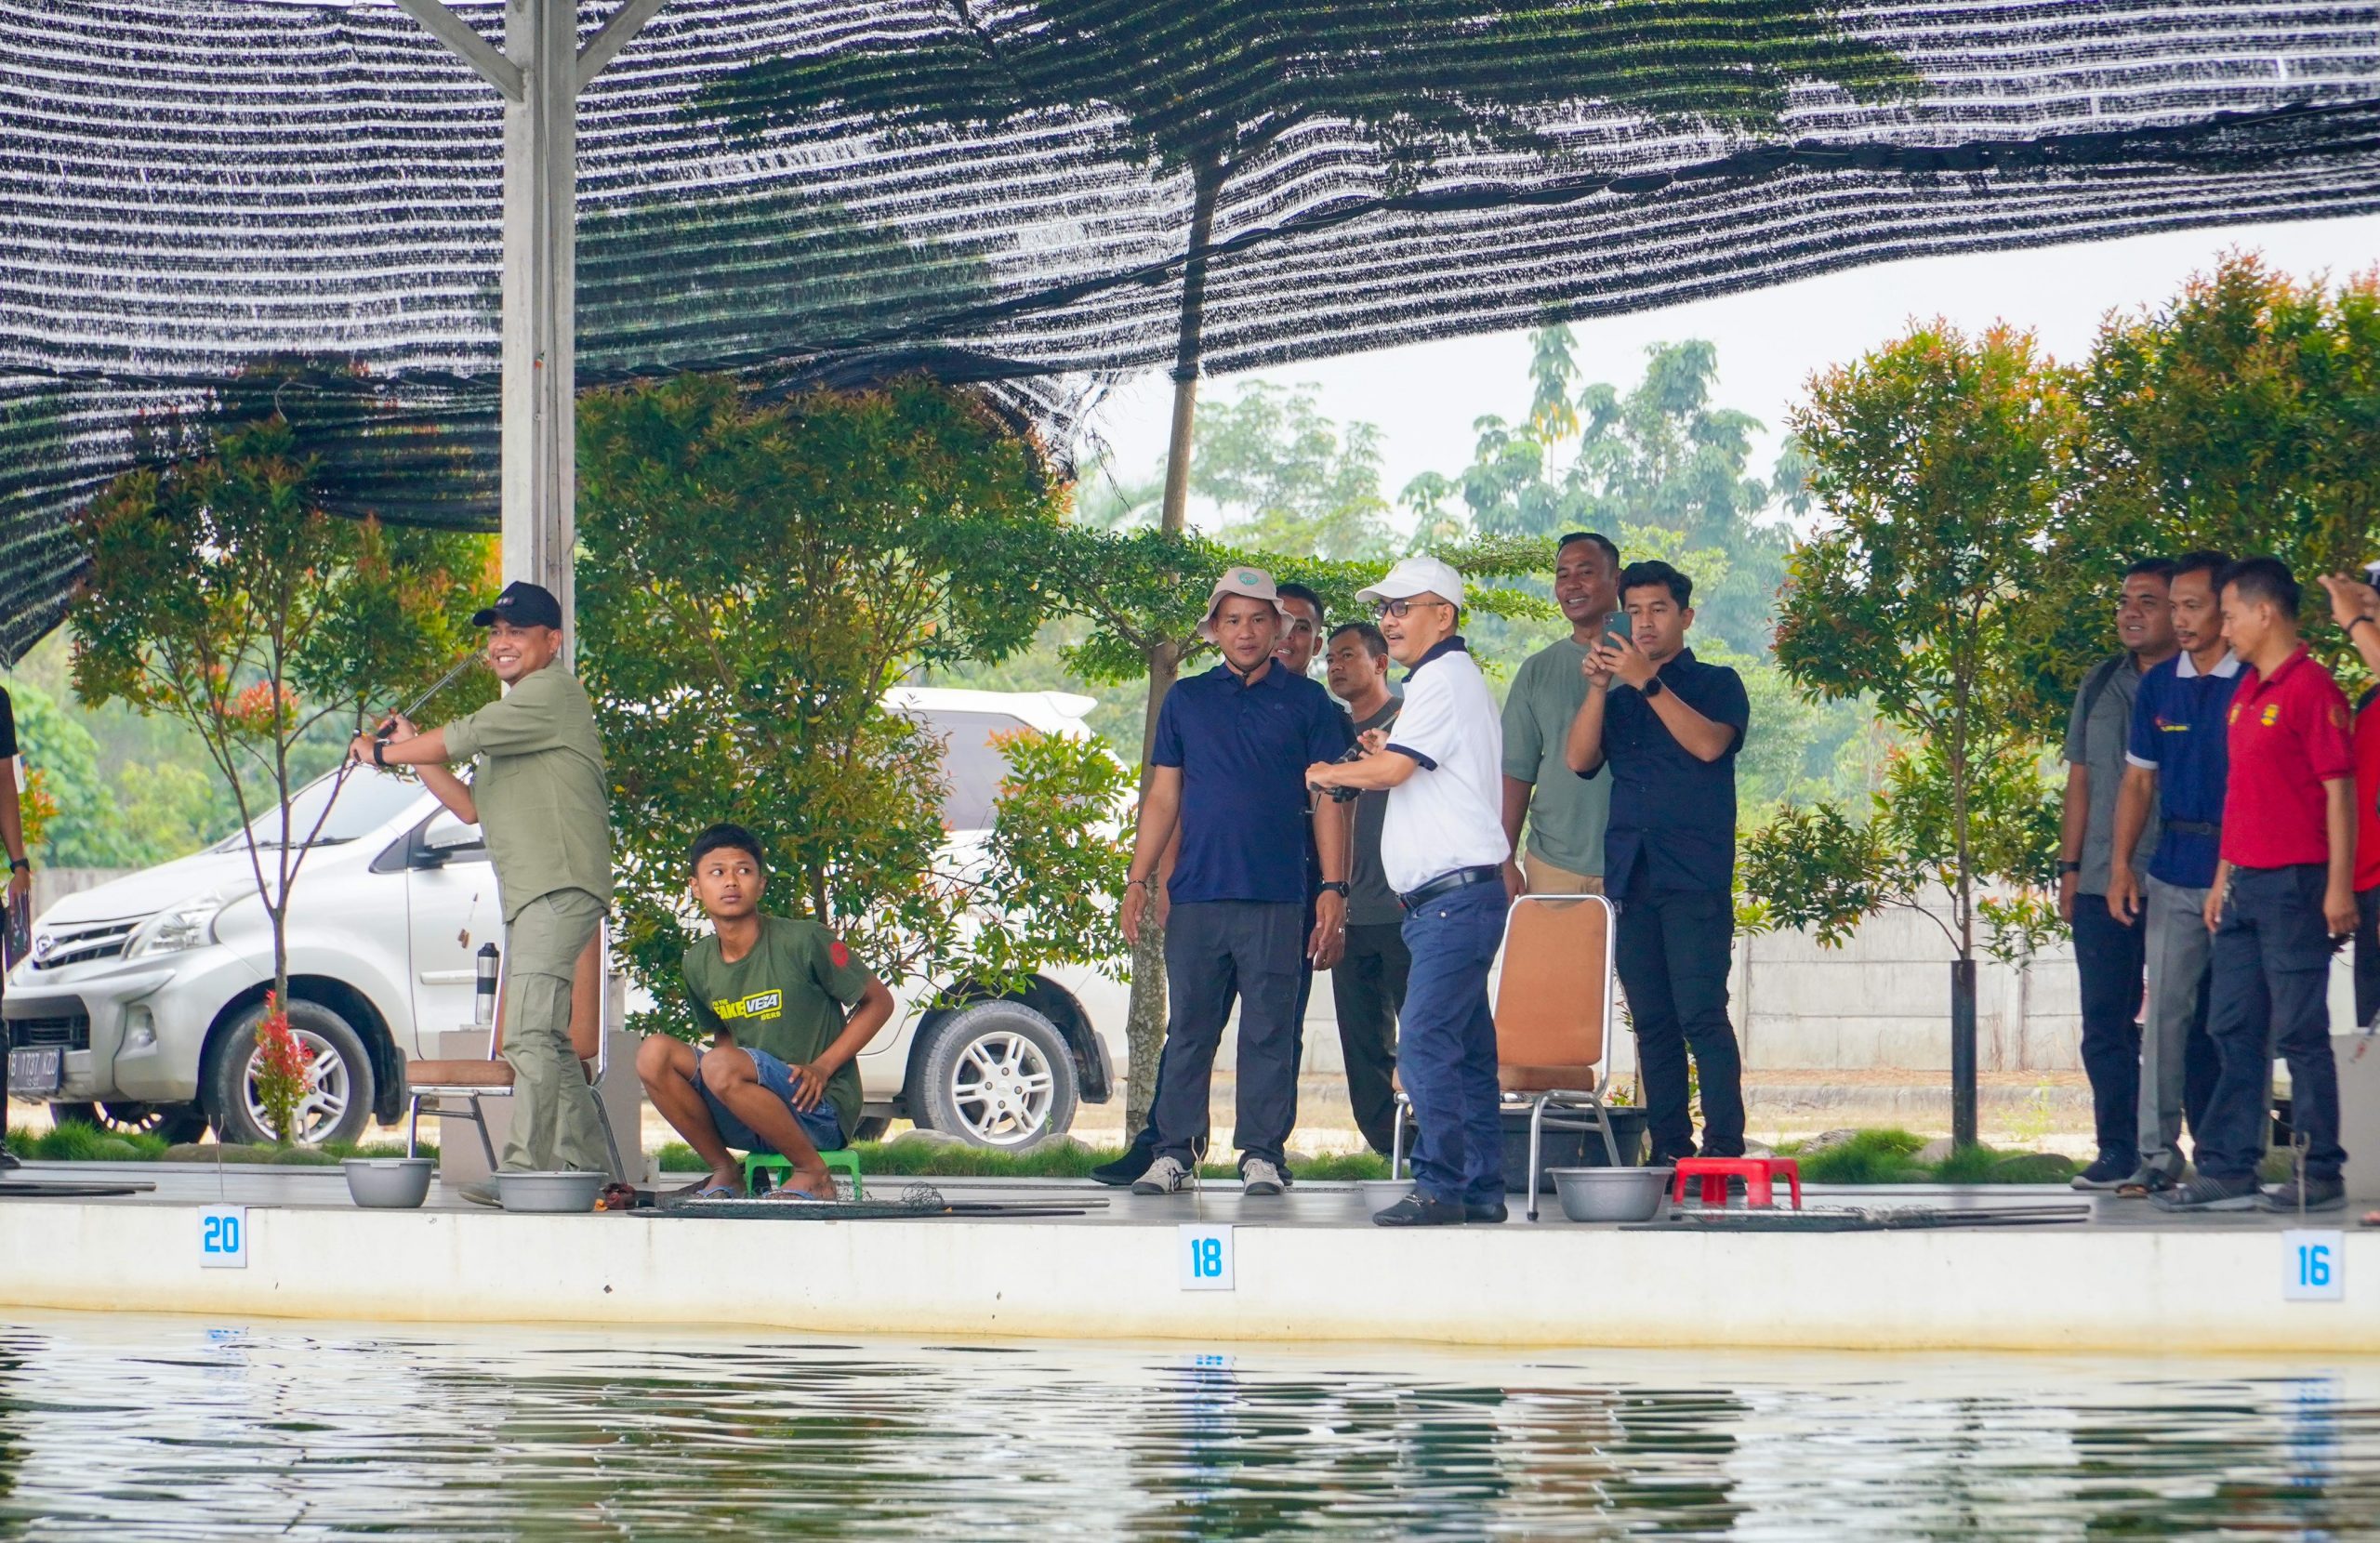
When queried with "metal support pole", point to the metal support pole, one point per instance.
{"points": [[539, 74], [540, 197]]}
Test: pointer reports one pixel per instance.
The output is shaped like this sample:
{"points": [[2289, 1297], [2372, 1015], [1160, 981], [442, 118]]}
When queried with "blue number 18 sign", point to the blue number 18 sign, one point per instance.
{"points": [[1204, 1251]]}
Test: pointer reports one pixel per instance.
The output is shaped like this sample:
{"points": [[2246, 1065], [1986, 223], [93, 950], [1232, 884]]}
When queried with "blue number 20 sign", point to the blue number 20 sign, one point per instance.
{"points": [[223, 1237]]}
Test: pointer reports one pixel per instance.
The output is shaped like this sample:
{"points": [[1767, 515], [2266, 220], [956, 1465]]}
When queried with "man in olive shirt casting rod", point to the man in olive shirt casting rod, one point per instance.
{"points": [[538, 791]]}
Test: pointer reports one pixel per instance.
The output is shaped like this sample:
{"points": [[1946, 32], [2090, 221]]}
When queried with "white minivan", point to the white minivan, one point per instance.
{"points": [[138, 1005]]}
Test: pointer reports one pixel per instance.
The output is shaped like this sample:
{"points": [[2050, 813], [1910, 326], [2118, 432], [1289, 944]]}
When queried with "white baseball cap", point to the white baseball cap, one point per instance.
{"points": [[1411, 576]]}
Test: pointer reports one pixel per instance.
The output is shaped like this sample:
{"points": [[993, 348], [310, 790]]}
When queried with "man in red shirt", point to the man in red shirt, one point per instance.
{"points": [[2356, 607], [2283, 894]]}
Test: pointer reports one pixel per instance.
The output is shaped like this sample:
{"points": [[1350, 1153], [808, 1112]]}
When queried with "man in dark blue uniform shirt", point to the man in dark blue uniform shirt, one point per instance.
{"points": [[1669, 727], [1227, 771]]}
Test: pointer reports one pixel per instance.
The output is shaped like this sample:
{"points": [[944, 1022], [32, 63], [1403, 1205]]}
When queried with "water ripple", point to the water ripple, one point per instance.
{"points": [[114, 1428]]}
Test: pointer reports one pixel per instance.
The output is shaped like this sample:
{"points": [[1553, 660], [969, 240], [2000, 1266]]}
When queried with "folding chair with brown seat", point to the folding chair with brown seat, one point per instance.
{"points": [[470, 1081], [1554, 1019]]}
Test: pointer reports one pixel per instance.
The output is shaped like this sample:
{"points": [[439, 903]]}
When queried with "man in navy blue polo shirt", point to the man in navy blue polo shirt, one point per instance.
{"points": [[1669, 727], [2176, 762], [1226, 770]]}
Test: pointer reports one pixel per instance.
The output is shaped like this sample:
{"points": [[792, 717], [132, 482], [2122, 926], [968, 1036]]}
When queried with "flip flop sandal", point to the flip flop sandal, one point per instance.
{"points": [[795, 1197]]}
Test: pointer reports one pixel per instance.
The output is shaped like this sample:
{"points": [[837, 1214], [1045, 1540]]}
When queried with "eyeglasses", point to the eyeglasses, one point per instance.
{"points": [[1399, 608]]}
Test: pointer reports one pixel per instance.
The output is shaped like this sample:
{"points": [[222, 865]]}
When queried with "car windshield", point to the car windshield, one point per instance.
{"points": [[972, 763], [364, 802]]}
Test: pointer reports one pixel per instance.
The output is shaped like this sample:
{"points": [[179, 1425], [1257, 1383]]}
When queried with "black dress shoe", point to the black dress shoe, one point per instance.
{"points": [[7, 1158], [1129, 1167], [1416, 1211], [1492, 1211]]}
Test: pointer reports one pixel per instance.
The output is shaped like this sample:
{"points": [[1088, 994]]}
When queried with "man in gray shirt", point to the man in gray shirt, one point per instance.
{"points": [[1566, 814], [1369, 984], [2109, 956]]}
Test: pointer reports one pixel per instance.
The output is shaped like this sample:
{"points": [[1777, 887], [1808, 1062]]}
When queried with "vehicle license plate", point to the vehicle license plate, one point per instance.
{"points": [[32, 1070]]}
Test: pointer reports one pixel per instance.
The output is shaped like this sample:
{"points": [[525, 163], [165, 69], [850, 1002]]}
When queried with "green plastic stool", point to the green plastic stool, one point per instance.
{"points": [[840, 1160]]}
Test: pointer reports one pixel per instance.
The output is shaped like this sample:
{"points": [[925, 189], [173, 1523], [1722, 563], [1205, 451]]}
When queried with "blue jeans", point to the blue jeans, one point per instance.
{"points": [[1446, 1050], [820, 1125]]}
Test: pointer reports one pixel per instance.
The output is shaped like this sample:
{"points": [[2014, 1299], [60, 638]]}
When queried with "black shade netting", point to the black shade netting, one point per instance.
{"points": [[306, 199]]}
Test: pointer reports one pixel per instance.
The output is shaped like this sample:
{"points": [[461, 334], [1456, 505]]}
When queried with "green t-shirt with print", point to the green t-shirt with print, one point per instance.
{"points": [[786, 997]]}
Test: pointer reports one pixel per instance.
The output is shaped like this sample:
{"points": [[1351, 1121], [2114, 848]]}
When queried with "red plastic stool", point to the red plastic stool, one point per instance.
{"points": [[1756, 1173]]}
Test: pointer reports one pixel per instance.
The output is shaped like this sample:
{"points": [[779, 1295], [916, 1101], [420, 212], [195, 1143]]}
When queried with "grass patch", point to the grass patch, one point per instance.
{"points": [[77, 1143], [1890, 1157], [1059, 1160]]}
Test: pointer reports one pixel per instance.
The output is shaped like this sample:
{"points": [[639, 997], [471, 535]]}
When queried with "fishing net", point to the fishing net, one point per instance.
{"points": [[304, 198]]}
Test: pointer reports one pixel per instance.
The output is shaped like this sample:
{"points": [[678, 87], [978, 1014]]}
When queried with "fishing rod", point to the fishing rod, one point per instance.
{"points": [[389, 725]]}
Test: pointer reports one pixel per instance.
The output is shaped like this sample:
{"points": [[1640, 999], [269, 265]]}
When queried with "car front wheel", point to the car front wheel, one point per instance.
{"points": [[997, 1074], [338, 1100], [174, 1122]]}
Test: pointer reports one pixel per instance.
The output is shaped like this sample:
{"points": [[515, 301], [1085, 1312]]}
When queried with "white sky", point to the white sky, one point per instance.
{"points": [[1424, 396]]}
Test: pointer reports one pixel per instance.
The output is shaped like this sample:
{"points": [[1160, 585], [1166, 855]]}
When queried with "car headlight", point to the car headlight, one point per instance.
{"points": [[188, 925]]}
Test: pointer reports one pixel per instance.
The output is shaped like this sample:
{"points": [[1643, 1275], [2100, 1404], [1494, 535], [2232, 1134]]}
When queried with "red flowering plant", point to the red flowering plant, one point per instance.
{"points": [[280, 1072]]}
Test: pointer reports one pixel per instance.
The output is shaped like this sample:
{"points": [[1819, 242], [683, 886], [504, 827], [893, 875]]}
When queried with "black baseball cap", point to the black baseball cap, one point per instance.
{"points": [[522, 604]]}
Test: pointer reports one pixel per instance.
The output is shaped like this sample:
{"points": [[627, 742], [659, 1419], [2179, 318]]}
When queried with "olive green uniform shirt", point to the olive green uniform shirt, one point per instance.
{"points": [[1566, 812], [787, 996], [537, 778]]}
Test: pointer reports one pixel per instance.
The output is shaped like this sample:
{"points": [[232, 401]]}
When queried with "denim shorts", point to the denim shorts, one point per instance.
{"points": [[824, 1131]]}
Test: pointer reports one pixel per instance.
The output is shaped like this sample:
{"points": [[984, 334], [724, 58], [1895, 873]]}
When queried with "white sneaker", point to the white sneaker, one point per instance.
{"points": [[1259, 1176], [1166, 1176]]}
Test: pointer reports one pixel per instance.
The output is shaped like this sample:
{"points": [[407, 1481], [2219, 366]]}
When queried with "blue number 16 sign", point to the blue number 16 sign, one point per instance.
{"points": [[1205, 1255], [223, 1237], [2310, 1264]]}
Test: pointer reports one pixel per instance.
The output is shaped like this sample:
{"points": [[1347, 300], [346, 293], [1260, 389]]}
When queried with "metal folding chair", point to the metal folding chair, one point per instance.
{"points": [[1555, 1013], [453, 1089]]}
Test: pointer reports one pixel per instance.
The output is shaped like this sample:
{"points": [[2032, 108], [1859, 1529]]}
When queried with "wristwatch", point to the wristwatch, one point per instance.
{"points": [[1333, 887], [2066, 867], [1652, 687], [379, 752], [19, 864]]}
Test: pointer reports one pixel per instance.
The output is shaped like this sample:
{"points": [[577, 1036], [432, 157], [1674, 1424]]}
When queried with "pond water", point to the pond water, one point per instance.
{"points": [[139, 1428]]}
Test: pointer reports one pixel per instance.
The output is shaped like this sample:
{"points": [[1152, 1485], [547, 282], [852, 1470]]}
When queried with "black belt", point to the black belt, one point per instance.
{"points": [[2193, 827], [1447, 883]]}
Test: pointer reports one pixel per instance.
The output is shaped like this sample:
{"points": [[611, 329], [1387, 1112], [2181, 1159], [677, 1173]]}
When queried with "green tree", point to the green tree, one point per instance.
{"points": [[1288, 479], [2240, 416], [1659, 456], [1941, 460], [223, 593], [755, 576], [151, 814]]}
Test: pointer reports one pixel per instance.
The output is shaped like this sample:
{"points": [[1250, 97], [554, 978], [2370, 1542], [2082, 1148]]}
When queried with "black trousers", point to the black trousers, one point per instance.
{"points": [[1673, 949], [1369, 986], [2270, 994], [1219, 953], [2367, 954], [2110, 963]]}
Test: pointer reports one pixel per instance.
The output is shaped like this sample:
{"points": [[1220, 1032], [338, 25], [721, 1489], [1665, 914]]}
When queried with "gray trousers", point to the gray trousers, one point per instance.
{"points": [[556, 1123], [2176, 1059]]}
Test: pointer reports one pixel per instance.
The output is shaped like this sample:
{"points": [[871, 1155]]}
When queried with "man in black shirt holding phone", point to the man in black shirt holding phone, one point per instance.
{"points": [[1668, 727]]}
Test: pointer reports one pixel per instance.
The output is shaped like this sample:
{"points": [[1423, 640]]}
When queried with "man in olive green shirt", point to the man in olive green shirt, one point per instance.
{"points": [[1566, 814], [537, 793], [779, 1075]]}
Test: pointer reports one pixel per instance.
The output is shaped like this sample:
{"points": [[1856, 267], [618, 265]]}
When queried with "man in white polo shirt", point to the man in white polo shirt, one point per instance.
{"points": [[1443, 849]]}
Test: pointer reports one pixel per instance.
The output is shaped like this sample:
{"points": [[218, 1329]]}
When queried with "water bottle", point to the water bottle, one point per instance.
{"points": [[484, 991]]}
